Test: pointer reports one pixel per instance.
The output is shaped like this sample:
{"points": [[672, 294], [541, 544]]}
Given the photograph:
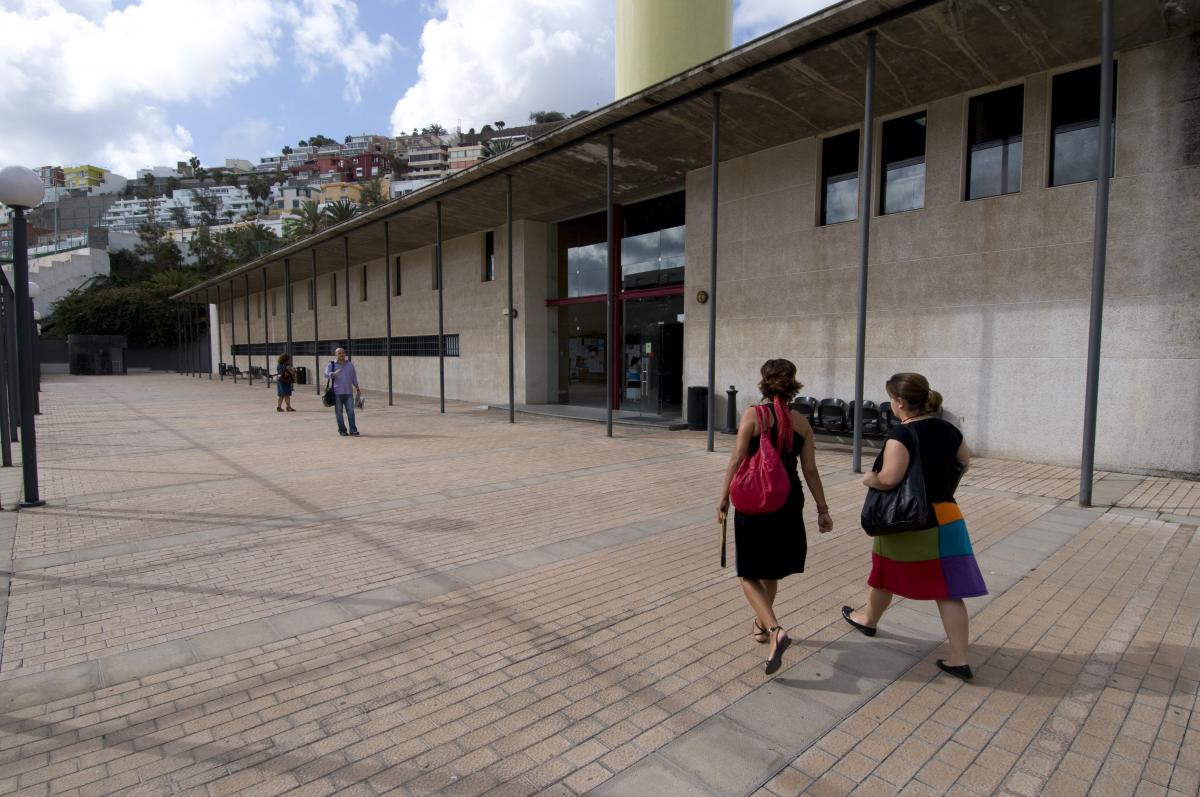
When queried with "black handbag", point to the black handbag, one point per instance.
{"points": [[327, 399], [903, 508]]}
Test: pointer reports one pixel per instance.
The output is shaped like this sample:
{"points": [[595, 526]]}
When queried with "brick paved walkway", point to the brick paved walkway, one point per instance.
{"points": [[222, 599]]}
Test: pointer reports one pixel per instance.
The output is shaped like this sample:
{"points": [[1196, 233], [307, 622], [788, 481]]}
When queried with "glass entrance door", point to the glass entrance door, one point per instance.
{"points": [[652, 356]]}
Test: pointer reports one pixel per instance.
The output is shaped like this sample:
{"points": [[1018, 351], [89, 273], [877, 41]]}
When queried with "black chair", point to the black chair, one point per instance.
{"points": [[872, 423], [832, 414], [806, 406], [887, 418]]}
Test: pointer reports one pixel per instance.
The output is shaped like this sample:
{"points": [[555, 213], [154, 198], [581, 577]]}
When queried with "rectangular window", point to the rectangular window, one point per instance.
{"points": [[437, 286], [902, 164], [258, 305], [839, 178], [994, 124], [362, 291], [1075, 125], [396, 278], [312, 294], [333, 290], [489, 256], [274, 303]]}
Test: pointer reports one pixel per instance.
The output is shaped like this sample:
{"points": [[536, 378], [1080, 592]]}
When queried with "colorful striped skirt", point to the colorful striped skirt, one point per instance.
{"points": [[931, 564]]}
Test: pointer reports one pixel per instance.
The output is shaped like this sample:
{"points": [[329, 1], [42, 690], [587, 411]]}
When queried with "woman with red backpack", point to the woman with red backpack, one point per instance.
{"points": [[764, 485]]}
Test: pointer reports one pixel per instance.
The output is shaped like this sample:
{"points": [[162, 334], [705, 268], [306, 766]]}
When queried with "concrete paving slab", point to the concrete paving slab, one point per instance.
{"points": [[653, 777], [309, 618], [44, 687], [785, 712], [725, 756], [118, 668], [223, 641]]}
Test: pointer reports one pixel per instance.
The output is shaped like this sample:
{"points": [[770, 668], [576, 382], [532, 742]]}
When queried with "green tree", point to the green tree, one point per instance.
{"points": [[172, 184], [148, 181], [494, 146], [179, 216], [249, 241], [305, 220], [542, 117], [194, 162], [208, 204], [157, 250], [201, 174], [342, 210], [288, 150], [209, 252], [372, 193], [142, 311], [399, 164]]}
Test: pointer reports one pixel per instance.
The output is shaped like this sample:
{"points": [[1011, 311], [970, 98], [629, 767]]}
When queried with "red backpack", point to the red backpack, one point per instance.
{"points": [[761, 483]]}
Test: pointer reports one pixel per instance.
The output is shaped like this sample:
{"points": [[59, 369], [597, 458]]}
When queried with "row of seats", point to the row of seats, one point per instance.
{"points": [[837, 416]]}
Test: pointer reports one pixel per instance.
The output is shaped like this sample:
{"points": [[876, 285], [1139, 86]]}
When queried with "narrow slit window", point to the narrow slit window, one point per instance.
{"points": [[363, 285], [437, 286], [489, 256], [839, 178], [274, 303], [902, 172], [396, 278], [1075, 125], [258, 305], [312, 294], [333, 290], [994, 122]]}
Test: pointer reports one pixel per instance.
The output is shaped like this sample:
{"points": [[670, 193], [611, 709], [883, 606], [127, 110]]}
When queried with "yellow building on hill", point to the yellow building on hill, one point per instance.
{"points": [[84, 176]]}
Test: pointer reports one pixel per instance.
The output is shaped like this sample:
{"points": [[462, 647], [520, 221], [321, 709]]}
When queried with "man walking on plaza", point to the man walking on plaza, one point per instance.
{"points": [[342, 375]]}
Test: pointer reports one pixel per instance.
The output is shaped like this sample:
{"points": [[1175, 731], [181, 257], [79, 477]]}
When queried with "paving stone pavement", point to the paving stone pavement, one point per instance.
{"points": [[220, 599]]}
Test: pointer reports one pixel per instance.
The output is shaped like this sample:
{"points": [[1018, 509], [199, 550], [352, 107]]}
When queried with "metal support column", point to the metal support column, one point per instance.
{"points": [[266, 330], [220, 338], [508, 264], [179, 340], [287, 305], [1099, 254], [610, 253], [10, 333], [864, 244], [346, 261], [387, 299], [6, 375], [437, 254], [316, 330], [712, 269], [232, 333], [208, 319], [249, 345], [24, 313]]}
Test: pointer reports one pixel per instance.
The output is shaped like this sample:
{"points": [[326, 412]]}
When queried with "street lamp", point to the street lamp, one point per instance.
{"points": [[21, 189]]}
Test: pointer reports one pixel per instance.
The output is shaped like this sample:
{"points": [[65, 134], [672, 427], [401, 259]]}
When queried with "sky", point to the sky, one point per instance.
{"points": [[127, 84]]}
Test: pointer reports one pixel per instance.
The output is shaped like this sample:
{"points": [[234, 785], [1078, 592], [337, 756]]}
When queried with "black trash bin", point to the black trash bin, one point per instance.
{"points": [[697, 407], [301, 375]]}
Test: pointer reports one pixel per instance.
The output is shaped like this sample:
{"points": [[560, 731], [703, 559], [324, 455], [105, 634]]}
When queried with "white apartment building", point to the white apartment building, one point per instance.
{"points": [[231, 203]]}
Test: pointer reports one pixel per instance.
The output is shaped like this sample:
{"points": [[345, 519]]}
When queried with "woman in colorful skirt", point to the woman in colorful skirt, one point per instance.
{"points": [[937, 563]]}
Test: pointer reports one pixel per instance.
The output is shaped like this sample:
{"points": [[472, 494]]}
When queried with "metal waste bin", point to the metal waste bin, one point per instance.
{"points": [[697, 407], [301, 374]]}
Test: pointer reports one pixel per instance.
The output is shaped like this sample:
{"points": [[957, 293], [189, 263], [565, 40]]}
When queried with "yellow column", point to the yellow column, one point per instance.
{"points": [[660, 38]]}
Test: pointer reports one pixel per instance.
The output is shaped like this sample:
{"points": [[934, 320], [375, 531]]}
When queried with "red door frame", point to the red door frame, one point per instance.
{"points": [[619, 298]]}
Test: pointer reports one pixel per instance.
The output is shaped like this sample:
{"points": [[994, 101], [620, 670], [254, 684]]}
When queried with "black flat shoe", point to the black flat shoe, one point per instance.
{"points": [[776, 660], [962, 671], [866, 629]]}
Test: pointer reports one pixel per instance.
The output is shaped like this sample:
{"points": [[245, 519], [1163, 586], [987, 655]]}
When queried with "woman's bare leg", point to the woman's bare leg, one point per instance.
{"points": [[958, 630], [877, 603], [760, 593]]}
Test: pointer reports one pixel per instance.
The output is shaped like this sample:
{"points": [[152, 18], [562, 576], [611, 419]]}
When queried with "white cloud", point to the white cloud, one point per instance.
{"points": [[484, 60], [326, 31], [753, 18], [86, 82]]}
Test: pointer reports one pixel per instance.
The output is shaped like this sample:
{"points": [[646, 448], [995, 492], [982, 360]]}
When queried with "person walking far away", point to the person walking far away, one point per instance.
{"points": [[937, 563], [285, 378], [341, 373], [772, 545]]}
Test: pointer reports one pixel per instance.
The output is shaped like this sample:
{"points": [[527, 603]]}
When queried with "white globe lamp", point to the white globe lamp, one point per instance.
{"points": [[20, 187], [35, 290]]}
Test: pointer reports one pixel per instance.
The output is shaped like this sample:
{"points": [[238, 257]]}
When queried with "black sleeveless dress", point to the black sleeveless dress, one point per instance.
{"points": [[773, 545]]}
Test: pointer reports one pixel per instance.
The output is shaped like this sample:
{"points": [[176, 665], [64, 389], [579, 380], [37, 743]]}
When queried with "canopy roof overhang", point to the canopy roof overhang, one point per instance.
{"points": [[801, 80]]}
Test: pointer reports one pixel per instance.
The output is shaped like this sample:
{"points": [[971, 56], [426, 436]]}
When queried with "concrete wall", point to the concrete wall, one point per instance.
{"points": [[988, 298], [473, 310]]}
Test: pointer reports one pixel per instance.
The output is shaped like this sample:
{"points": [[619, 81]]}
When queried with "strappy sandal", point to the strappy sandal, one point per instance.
{"points": [[761, 635], [776, 660]]}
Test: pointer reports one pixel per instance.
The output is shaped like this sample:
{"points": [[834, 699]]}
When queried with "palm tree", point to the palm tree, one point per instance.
{"points": [[342, 210], [436, 129], [499, 125], [288, 150], [494, 146], [201, 173], [308, 219]]}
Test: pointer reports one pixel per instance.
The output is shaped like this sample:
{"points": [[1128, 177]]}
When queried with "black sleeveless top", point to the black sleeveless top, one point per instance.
{"points": [[939, 441]]}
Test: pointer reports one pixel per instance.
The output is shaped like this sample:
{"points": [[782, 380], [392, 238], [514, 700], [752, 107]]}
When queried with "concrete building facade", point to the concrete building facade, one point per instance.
{"points": [[982, 213]]}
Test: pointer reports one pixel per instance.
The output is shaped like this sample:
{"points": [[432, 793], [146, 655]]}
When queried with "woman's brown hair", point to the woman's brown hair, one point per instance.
{"points": [[283, 358], [915, 390], [779, 380], [779, 384]]}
